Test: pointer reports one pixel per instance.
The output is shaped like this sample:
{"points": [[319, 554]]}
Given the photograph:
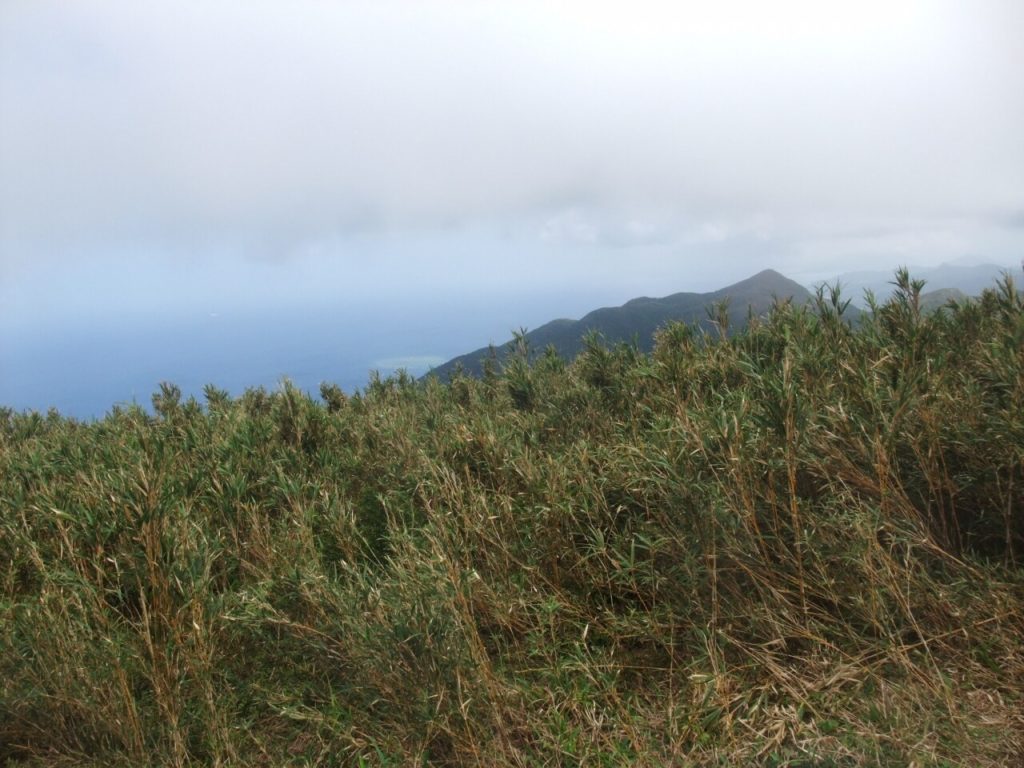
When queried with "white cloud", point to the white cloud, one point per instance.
{"points": [[263, 127]]}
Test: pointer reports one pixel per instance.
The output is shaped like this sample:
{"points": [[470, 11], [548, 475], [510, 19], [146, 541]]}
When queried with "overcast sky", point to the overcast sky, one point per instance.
{"points": [[208, 155]]}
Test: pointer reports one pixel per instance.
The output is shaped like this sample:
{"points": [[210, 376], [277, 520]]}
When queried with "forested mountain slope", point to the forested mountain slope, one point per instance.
{"points": [[637, 320]]}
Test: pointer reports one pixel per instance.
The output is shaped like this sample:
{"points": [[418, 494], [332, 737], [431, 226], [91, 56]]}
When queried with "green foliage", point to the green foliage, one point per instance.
{"points": [[637, 321], [796, 545]]}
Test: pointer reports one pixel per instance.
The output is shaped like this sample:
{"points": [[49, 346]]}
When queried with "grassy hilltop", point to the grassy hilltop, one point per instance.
{"points": [[800, 544]]}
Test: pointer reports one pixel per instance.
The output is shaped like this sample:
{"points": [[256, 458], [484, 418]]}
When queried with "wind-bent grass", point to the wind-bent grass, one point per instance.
{"points": [[797, 546]]}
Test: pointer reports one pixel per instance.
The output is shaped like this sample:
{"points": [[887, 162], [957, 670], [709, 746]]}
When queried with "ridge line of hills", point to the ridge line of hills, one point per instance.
{"points": [[639, 318]]}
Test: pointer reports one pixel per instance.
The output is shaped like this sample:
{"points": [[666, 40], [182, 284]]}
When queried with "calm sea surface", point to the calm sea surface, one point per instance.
{"points": [[85, 369]]}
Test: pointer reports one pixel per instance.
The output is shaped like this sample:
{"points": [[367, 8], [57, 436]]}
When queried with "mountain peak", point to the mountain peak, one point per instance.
{"points": [[766, 274], [765, 279], [639, 318]]}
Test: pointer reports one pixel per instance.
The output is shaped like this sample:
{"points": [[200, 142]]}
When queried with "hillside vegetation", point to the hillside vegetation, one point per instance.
{"points": [[796, 545], [637, 320]]}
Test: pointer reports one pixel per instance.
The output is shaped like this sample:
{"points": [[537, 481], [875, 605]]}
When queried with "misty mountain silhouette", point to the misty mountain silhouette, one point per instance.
{"points": [[961, 280], [639, 318]]}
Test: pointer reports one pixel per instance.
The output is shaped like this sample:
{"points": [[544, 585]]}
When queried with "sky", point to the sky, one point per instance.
{"points": [[495, 161]]}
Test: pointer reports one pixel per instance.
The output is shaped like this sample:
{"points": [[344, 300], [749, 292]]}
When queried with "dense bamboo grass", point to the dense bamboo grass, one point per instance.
{"points": [[798, 545]]}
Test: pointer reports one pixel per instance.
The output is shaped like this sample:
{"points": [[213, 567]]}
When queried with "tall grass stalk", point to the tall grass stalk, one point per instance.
{"points": [[795, 545]]}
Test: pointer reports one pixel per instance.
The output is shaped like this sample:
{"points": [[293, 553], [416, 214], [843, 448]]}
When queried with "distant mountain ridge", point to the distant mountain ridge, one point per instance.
{"points": [[967, 280], [937, 299], [639, 318]]}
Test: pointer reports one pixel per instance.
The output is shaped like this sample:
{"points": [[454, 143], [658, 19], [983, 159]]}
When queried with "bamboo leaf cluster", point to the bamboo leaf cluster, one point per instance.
{"points": [[798, 544]]}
